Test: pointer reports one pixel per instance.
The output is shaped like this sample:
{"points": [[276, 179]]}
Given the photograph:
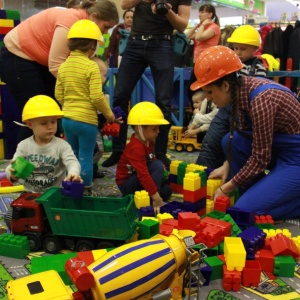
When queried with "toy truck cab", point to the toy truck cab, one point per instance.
{"points": [[28, 218]]}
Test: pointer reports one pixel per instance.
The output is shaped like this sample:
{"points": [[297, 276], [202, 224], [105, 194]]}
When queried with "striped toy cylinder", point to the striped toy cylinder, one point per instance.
{"points": [[138, 268]]}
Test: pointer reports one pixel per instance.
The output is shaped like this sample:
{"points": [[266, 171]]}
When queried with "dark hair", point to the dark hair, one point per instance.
{"points": [[211, 9], [234, 83], [82, 44], [126, 11], [105, 10]]}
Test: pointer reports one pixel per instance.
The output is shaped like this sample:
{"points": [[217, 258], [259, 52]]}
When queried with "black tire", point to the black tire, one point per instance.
{"points": [[106, 244], [52, 244], [84, 245], [34, 242]]}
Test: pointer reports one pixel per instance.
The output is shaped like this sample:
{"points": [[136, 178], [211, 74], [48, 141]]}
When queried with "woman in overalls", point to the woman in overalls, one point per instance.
{"points": [[263, 150]]}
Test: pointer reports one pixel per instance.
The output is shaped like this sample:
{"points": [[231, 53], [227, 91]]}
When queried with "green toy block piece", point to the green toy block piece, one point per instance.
{"points": [[221, 248], [217, 267], [212, 251], [147, 229], [203, 177], [265, 226], [13, 15], [23, 168], [235, 229], [53, 262], [284, 266], [15, 246], [215, 214], [181, 172]]}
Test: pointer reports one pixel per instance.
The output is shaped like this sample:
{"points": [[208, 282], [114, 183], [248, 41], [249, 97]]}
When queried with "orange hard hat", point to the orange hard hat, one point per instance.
{"points": [[214, 63]]}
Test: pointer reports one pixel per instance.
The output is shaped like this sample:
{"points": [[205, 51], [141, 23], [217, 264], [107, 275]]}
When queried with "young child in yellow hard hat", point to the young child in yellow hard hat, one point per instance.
{"points": [[138, 169], [79, 90]]}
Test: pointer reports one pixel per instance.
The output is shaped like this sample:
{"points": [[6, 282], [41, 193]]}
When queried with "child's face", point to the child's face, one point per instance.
{"points": [[197, 102], [150, 132], [244, 52], [43, 129]]}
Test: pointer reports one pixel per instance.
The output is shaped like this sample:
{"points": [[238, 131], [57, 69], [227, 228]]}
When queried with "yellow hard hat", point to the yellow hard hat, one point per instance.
{"points": [[146, 113], [86, 29], [41, 106], [245, 34]]}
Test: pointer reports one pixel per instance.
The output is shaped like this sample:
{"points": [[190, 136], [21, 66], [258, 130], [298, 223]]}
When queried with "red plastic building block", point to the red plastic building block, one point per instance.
{"points": [[222, 203], [266, 260], [264, 220], [282, 245], [231, 280], [251, 273], [111, 129]]}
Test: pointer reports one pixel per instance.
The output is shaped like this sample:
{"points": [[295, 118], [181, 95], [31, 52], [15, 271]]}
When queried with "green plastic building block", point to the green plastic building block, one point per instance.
{"points": [[23, 167], [15, 246], [147, 229], [284, 266], [217, 266]]}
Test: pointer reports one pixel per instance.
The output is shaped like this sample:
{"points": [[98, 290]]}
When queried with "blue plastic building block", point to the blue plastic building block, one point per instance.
{"points": [[72, 189]]}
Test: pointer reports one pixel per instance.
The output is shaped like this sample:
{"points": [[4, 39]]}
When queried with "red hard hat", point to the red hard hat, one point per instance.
{"points": [[214, 63]]}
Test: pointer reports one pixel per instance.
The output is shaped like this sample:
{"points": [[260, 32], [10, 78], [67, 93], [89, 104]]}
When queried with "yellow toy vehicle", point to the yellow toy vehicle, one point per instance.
{"points": [[178, 142]]}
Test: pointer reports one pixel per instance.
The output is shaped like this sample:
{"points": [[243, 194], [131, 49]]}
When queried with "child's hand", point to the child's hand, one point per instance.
{"points": [[111, 119], [73, 177], [13, 178], [190, 133], [119, 120], [157, 202], [196, 111]]}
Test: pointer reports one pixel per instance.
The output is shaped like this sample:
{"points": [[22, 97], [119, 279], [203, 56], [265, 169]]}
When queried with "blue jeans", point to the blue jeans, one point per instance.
{"points": [[158, 54], [82, 138], [156, 170], [25, 79], [278, 193]]}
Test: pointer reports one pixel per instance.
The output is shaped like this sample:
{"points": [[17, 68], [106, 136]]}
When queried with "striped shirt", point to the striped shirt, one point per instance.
{"points": [[79, 89], [271, 111]]}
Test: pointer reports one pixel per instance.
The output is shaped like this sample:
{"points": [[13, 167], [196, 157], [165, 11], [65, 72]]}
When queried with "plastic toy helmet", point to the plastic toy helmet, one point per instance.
{"points": [[41, 106], [214, 63], [86, 29], [146, 113], [245, 34]]}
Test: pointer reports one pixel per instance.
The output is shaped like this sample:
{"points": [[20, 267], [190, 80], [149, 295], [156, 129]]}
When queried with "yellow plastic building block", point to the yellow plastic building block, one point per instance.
{"points": [[163, 217], [191, 182], [174, 166], [194, 167], [7, 23], [141, 199], [212, 185], [209, 205], [235, 253]]}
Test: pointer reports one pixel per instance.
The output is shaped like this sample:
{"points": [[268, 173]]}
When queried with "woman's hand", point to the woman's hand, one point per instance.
{"points": [[221, 172]]}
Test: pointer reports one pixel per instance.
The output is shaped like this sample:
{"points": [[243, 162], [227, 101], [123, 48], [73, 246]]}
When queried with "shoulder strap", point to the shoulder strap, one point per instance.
{"points": [[267, 86]]}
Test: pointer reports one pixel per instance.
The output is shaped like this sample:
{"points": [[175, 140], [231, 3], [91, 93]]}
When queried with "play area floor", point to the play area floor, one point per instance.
{"points": [[270, 288]]}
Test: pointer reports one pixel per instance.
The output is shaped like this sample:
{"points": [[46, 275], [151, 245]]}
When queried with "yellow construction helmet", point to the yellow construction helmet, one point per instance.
{"points": [[41, 106], [245, 34], [146, 113], [86, 29]]}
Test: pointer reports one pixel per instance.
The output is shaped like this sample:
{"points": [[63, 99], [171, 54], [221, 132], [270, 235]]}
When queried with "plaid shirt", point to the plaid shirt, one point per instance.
{"points": [[271, 111]]}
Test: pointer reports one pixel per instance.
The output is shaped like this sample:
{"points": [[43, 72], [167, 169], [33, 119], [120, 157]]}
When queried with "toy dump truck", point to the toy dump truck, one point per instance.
{"points": [[53, 221], [178, 142]]}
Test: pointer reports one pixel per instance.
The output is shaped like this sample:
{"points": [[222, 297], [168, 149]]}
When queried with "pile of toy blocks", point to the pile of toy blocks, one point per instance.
{"points": [[240, 244]]}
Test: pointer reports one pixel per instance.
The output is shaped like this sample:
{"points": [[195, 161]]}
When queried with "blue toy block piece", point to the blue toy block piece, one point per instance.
{"points": [[146, 211], [206, 272], [241, 217], [72, 189], [2, 14], [194, 206], [15, 246], [253, 239]]}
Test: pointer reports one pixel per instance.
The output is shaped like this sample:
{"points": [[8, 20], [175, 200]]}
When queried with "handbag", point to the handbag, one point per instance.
{"points": [[180, 43], [124, 33]]}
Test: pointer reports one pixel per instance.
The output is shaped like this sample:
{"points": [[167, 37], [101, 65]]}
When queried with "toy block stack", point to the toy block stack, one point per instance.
{"points": [[8, 20]]}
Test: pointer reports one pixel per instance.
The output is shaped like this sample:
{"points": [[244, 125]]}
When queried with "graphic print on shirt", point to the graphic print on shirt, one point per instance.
{"points": [[150, 157]]}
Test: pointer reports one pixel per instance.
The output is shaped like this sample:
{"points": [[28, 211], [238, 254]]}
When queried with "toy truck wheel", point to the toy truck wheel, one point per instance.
{"points": [[84, 245], [52, 244], [179, 147], [34, 242], [190, 148], [105, 245]]}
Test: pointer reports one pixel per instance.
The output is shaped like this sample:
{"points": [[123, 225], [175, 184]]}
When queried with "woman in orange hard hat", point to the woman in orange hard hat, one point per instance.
{"points": [[267, 136]]}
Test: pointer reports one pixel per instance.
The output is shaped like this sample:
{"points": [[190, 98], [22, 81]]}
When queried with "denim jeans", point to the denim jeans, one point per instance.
{"points": [[82, 138], [25, 79], [158, 54]]}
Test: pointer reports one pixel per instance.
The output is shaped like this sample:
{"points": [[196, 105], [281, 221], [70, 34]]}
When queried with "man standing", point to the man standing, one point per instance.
{"points": [[150, 45]]}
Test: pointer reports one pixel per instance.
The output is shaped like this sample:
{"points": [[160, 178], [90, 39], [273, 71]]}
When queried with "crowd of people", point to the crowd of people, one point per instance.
{"points": [[249, 126]]}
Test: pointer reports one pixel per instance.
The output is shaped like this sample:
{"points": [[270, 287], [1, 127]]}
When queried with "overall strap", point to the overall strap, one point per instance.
{"points": [[267, 86]]}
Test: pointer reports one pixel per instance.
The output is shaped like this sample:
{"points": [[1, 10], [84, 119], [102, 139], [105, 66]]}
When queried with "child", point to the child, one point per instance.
{"points": [[138, 169], [204, 112], [246, 41], [79, 90]]}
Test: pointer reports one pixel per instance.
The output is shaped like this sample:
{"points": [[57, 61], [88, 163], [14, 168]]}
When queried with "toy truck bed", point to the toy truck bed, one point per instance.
{"points": [[93, 217]]}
